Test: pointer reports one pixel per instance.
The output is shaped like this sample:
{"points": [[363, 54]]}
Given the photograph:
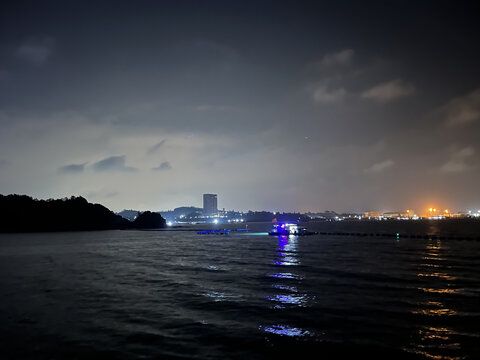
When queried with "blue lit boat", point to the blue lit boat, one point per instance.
{"points": [[286, 229]]}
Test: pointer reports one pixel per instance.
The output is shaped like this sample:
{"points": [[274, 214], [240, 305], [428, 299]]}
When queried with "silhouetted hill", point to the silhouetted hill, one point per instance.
{"points": [[21, 213], [149, 220]]}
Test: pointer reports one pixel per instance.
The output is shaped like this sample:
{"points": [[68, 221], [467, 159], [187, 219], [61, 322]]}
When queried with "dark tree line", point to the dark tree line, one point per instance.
{"points": [[21, 213]]}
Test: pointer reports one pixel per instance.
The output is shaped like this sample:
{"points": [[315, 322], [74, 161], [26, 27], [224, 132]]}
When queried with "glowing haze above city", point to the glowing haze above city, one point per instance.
{"points": [[272, 105]]}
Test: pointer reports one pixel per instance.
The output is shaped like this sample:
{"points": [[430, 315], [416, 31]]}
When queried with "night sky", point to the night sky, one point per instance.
{"points": [[346, 106]]}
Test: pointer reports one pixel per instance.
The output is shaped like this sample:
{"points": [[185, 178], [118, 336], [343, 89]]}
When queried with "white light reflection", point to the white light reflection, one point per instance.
{"points": [[286, 276], [220, 296]]}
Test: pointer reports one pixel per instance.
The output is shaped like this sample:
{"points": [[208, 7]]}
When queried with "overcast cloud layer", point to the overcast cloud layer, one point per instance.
{"points": [[271, 105]]}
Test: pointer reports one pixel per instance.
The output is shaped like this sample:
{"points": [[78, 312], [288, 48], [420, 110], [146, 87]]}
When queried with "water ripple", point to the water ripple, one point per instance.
{"points": [[182, 295]]}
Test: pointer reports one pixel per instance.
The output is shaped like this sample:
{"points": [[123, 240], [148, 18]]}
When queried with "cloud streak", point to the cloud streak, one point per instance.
{"points": [[380, 167], [164, 166], [152, 150], [113, 164], [389, 91], [72, 169]]}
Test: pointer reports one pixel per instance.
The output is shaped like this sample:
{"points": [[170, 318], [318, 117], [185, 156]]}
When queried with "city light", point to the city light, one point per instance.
{"points": [[192, 215]]}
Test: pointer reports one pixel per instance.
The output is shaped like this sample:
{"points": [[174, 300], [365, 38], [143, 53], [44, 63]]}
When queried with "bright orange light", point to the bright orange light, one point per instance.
{"points": [[431, 209], [446, 211]]}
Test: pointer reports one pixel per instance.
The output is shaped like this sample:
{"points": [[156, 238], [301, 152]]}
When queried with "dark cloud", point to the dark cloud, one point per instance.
{"points": [[36, 51], [113, 163], [156, 147], [163, 166], [72, 169]]}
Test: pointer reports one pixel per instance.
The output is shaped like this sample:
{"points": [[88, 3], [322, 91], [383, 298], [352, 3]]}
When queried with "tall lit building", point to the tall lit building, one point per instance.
{"points": [[210, 204]]}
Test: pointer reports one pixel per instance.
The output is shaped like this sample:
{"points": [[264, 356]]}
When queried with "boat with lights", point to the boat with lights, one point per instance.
{"points": [[286, 229]]}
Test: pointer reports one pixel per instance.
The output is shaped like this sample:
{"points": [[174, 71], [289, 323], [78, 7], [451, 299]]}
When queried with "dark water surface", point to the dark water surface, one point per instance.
{"points": [[139, 294]]}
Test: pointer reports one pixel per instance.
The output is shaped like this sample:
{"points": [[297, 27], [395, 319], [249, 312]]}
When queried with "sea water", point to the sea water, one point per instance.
{"points": [[174, 294]]}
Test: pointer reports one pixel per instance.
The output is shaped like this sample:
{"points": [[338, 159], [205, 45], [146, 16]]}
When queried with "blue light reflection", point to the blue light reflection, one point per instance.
{"points": [[299, 300], [286, 287], [285, 295], [287, 251], [286, 276], [285, 330]]}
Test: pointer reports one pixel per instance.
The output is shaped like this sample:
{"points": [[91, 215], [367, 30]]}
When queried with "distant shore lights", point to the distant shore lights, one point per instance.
{"points": [[434, 213]]}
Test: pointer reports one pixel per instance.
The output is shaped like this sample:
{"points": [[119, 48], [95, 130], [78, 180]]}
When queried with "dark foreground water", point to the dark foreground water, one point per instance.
{"points": [[139, 294]]}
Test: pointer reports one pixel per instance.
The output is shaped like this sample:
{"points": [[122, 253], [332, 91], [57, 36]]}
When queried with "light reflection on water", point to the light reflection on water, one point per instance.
{"points": [[438, 275], [287, 251], [219, 296], [285, 287], [299, 300], [432, 340], [287, 261], [436, 312], [426, 265], [439, 291], [432, 257], [287, 294], [115, 288], [285, 276], [435, 333], [285, 330], [434, 308]]}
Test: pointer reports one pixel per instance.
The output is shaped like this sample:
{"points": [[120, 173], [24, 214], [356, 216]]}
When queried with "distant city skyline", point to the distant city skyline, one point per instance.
{"points": [[210, 207], [273, 105]]}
